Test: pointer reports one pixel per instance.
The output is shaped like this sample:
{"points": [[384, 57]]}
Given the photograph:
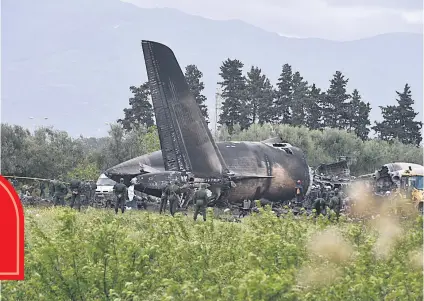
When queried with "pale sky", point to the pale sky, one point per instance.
{"points": [[326, 19]]}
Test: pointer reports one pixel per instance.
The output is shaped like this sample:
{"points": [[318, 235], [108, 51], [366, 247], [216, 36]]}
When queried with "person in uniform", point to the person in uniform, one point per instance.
{"points": [[189, 192], [299, 192], [336, 203], [60, 191], [200, 201], [120, 191], [93, 187], [172, 193], [42, 189], [75, 186], [140, 202], [51, 189], [163, 199], [319, 206], [84, 194]]}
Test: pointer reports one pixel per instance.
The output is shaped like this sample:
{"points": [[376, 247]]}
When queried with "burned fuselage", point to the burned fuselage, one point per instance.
{"points": [[234, 170], [261, 170]]}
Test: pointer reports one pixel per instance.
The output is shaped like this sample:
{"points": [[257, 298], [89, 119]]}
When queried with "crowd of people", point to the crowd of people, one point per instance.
{"points": [[82, 192], [55, 191]]}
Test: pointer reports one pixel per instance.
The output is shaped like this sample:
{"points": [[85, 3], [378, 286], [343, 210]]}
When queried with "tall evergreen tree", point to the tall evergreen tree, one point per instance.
{"points": [[140, 111], [335, 108], [313, 107], [260, 96], [193, 77], [398, 121], [299, 100], [359, 112], [234, 109], [283, 95]]}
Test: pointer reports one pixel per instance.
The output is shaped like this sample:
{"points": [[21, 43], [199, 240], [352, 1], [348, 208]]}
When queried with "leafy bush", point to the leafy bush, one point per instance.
{"points": [[327, 145], [96, 255], [87, 171]]}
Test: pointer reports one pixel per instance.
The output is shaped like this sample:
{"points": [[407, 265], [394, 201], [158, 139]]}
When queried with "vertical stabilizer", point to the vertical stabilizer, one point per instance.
{"points": [[186, 142]]}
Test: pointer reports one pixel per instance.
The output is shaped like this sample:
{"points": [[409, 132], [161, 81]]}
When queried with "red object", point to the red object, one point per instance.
{"points": [[11, 233]]}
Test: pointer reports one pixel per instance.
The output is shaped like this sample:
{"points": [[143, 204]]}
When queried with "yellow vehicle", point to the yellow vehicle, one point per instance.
{"points": [[412, 184]]}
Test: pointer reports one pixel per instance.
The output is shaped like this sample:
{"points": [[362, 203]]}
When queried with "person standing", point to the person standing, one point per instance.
{"points": [[75, 186], [172, 193], [299, 192], [60, 190], [200, 201], [120, 191]]}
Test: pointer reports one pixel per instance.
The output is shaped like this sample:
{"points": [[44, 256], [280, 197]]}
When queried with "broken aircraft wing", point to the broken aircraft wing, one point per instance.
{"points": [[185, 140]]}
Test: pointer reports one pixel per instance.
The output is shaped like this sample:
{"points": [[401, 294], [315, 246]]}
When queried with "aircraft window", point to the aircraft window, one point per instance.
{"points": [[279, 145]]}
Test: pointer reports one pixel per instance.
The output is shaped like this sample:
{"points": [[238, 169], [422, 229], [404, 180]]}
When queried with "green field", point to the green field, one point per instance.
{"points": [[95, 255]]}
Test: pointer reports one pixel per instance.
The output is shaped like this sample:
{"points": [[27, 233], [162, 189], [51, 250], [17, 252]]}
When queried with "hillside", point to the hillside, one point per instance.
{"points": [[73, 61]]}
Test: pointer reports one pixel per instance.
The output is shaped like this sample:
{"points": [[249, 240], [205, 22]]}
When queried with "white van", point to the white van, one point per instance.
{"points": [[104, 185]]}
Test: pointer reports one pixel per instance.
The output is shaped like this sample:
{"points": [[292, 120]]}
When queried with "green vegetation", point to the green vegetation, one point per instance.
{"points": [[49, 153], [326, 146], [96, 255]]}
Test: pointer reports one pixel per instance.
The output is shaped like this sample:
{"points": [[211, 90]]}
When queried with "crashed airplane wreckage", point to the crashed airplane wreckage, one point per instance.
{"points": [[389, 176], [335, 175], [235, 171]]}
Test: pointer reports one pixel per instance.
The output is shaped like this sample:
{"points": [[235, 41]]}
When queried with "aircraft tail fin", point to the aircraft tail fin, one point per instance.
{"points": [[186, 142]]}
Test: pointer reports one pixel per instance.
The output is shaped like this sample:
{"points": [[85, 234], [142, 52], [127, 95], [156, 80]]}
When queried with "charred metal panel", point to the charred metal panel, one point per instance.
{"points": [[185, 139], [253, 164], [338, 169]]}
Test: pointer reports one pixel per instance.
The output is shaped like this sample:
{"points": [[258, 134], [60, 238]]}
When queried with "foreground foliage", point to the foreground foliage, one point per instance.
{"points": [[96, 255]]}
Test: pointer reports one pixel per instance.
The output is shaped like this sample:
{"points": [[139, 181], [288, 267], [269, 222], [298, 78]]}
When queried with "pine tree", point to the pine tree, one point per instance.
{"points": [[398, 121], [389, 128], [299, 100], [193, 77], [234, 109], [260, 96], [313, 108], [335, 108], [359, 112], [140, 111], [283, 95]]}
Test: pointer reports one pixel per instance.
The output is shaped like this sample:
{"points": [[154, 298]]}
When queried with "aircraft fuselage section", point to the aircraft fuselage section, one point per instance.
{"points": [[261, 170]]}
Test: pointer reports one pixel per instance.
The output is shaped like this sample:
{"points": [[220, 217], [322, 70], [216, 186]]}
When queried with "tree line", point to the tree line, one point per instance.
{"points": [[252, 99], [325, 124], [49, 153]]}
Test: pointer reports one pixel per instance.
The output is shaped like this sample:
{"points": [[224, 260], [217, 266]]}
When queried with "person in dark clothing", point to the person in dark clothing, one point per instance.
{"points": [[75, 186], [93, 187], [42, 189], [120, 191], [60, 190], [163, 199], [172, 193], [51, 189], [189, 190], [200, 201], [319, 206], [140, 202], [299, 192], [336, 203]]}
